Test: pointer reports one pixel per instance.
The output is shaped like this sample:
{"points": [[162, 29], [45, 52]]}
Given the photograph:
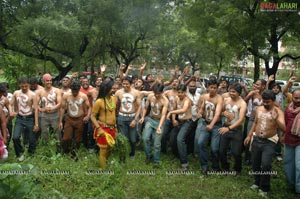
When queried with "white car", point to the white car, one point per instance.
{"points": [[295, 85], [282, 83]]}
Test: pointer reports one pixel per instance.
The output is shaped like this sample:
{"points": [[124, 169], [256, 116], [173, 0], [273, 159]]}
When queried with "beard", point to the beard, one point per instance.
{"points": [[192, 91], [267, 107]]}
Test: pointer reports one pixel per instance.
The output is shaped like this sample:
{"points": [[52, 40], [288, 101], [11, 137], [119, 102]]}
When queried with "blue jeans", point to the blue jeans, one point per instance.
{"points": [[203, 138], [262, 155], [24, 123], [197, 134], [166, 140], [131, 134], [150, 131], [183, 131], [291, 165], [139, 129]]}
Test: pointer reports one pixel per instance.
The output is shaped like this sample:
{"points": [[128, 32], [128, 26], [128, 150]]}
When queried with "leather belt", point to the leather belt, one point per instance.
{"points": [[25, 116]]}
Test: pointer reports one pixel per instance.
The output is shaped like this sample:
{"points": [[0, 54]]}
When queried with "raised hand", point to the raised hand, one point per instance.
{"points": [[143, 66], [103, 67], [75, 74], [130, 67], [122, 67]]}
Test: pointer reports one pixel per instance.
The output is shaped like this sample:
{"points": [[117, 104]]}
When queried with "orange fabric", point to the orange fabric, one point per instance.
{"points": [[289, 97]]}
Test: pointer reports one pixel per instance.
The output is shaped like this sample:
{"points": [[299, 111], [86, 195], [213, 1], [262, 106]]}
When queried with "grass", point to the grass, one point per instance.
{"points": [[134, 179]]}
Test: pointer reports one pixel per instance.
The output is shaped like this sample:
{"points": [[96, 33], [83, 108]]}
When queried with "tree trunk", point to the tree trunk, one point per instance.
{"points": [[256, 68]]}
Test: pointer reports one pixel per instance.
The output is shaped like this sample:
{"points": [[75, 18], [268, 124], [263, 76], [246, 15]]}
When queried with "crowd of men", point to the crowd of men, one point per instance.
{"points": [[181, 116]]}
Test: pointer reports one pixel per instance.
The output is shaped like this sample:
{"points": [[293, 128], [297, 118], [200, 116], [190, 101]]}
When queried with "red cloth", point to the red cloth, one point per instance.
{"points": [[291, 140], [3, 150], [101, 140], [86, 91]]}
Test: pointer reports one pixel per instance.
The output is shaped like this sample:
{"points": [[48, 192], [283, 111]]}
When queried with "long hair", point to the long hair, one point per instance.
{"points": [[105, 88]]}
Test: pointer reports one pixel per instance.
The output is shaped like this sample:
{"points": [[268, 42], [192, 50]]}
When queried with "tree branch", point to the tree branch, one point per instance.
{"points": [[45, 46], [289, 56]]}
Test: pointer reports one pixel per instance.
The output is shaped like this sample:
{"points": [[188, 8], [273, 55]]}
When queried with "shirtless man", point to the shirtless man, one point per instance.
{"points": [[194, 97], [184, 112], [223, 87], [267, 119], [168, 132], [130, 103], [103, 117], [254, 97], [75, 103], [91, 93], [65, 89], [234, 112], [34, 84], [65, 85], [25, 106], [210, 108], [49, 99], [158, 109], [139, 85]]}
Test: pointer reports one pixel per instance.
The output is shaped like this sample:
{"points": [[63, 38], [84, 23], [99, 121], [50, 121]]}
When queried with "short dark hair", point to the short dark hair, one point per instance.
{"points": [[134, 77], [127, 78], [108, 78], [263, 82], [23, 80], [75, 86], [224, 80], [181, 87], [2, 88], [5, 84], [33, 80], [147, 76], [212, 81], [158, 88], [237, 87], [276, 84], [268, 95], [82, 75]]}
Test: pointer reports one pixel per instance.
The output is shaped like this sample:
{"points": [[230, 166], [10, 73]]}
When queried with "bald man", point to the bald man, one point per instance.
{"points": [[49, 99]]}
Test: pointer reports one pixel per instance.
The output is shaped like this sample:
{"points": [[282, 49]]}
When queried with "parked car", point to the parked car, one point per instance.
{"points": [[250, 81], [282, 83], [234, 78], [204, 81], [295, 85]]}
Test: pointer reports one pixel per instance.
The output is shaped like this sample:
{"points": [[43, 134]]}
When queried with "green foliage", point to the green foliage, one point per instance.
{"points": [[16, 66], [209, 34], [51, 175], [237, 29], [13, 184], [122, 146]]}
